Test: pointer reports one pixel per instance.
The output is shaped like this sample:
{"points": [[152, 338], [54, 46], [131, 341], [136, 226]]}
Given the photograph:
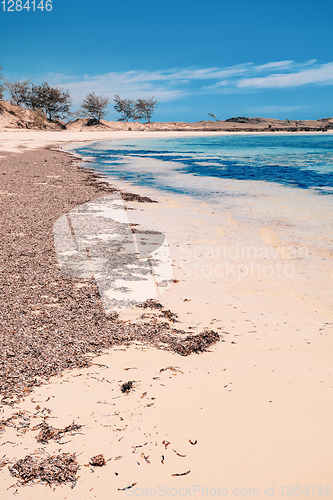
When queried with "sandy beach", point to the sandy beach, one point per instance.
{"points": [[249, 415]]}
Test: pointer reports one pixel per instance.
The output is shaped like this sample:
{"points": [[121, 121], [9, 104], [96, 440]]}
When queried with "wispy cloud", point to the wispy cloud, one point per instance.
{"points": [[165, 85], [275, 65], [322, 74], [171, 84], [131, 84]]}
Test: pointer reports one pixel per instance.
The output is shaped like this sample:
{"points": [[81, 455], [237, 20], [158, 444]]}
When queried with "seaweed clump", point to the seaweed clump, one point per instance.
{"points": [[126, 387], [194, 344], [48, 432], [51, 470]]}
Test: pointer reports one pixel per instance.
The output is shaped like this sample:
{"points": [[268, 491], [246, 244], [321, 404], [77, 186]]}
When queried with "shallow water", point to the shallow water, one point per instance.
{"points": [[304, 161], [286, 180], [276, 190]]}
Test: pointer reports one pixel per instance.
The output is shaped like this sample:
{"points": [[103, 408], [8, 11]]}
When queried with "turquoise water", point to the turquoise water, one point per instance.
{"points": [[302, 161], [273, 191]]}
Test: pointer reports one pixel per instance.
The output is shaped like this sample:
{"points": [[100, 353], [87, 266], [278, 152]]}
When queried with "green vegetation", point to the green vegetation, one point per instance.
{"points": [[95, 106], [135, 110], [144, 108], [125, 107], [19, 92], [52, 101], [55, 103]]}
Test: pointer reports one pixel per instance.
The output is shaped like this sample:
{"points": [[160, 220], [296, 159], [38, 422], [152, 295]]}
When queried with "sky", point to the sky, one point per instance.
{"points": [[229, 58]]}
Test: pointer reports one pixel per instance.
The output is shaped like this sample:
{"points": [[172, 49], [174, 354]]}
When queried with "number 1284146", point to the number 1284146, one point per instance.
{"points": [[26, 5]]}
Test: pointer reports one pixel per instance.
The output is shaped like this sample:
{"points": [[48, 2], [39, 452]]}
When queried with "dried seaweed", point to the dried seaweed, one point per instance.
{"points": [[127, 487], [179, 454], [136, 197], [146, 457], [182, 473], [48, 432], [172, 368], [52, 469], [97, 461], [169, 315], [10, 421], [151, 304], [196, 343], [126, 387], [3, 462]]}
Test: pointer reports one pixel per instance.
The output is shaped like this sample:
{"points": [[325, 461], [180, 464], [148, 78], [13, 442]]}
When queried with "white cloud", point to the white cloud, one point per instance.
{"points": [[216, 85], [173, 83], [275, 65], [165, 85], [129, 84], [319, 75], [209, 73]]}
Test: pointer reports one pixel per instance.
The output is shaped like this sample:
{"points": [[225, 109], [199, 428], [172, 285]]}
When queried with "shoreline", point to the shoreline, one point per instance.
{"points": [[20, 140], [253, 392]]}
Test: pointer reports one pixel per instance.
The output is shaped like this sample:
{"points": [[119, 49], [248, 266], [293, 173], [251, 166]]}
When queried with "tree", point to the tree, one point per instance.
{"points": [[125, 107], [95, 106], [52, 101], [145, 108], [19, 92]]}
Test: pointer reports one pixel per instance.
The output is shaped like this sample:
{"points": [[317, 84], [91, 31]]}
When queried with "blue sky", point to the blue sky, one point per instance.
{"points": [[252, 58]]}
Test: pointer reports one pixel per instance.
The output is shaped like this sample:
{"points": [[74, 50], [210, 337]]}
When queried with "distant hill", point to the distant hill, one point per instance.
{"points": [[14, 117]]}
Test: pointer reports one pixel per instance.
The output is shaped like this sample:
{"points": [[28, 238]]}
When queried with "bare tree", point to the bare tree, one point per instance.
{"points": [[145, 108], [95, 106], [19, 92], [125, 107], [52, 101], [213, 116]]}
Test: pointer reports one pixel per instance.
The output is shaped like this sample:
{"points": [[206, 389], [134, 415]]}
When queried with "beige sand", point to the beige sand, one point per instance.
{"points": [[20, 140], [259, 405]]}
